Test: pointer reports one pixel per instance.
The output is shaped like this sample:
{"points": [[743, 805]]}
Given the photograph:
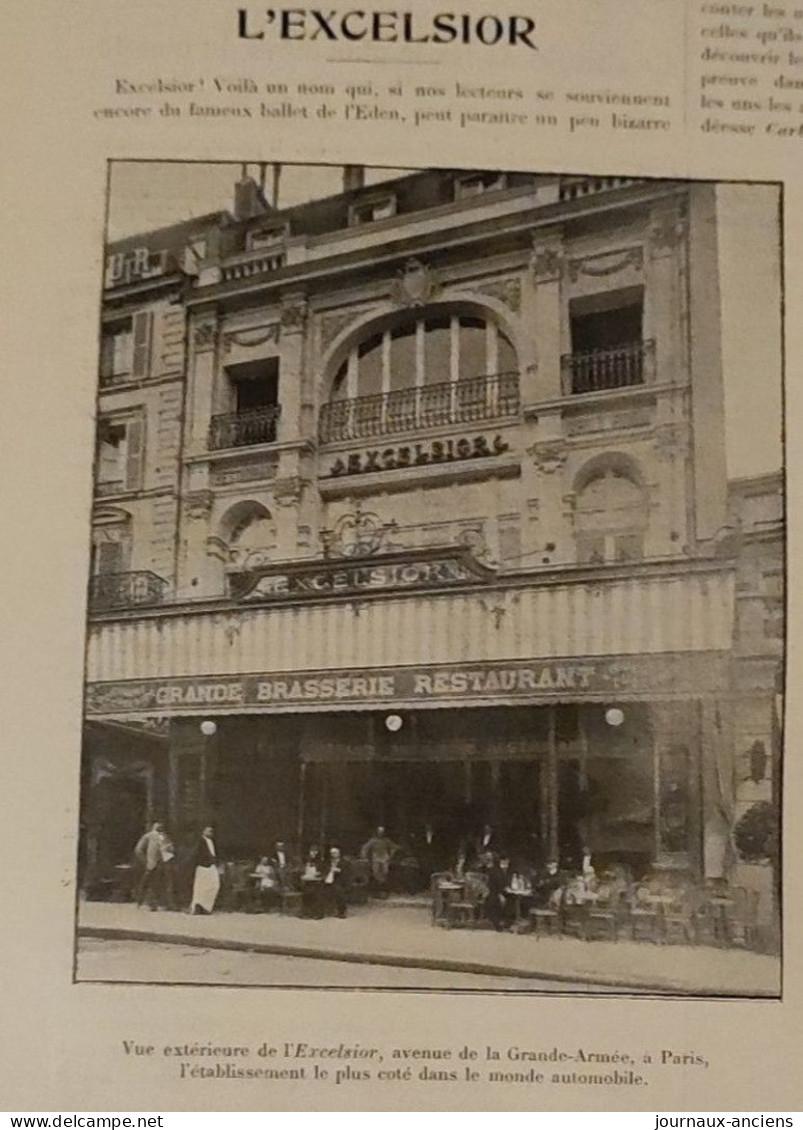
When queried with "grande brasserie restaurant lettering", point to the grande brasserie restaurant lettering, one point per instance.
{"points": [[419, 454], [443, 683]]}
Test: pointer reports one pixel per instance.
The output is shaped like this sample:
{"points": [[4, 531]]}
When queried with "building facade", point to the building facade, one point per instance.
{"points": [[418, 493]]}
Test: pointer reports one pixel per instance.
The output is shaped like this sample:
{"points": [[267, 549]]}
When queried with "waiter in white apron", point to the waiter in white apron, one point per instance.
{"points": [[206, 882]]}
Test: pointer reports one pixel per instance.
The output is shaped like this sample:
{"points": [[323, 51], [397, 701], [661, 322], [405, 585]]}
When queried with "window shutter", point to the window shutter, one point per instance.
{"points": [[135, 445], [107, 355], [109, 557], [142, 331]]}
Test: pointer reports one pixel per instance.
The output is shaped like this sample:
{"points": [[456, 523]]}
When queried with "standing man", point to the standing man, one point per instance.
{"points": [[206, 882], [379, 851], [334, 884], [280, 862], [149, 855]]}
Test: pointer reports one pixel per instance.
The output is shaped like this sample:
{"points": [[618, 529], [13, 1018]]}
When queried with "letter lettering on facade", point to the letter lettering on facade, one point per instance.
{"points": [[387, 685], [442, 683], [565, 676], [545, 679], [423, 684], [327, 688], [264, 691], [527, 680], [360, 688], [459, 683], [343, 688]]}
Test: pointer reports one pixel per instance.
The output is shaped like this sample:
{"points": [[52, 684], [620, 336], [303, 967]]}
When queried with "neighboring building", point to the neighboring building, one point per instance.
{"points": [[432, 520]]}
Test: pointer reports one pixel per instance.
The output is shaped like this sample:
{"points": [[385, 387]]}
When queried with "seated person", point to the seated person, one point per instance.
{"points": [[496, 907], [267, 884], [547, 883]]}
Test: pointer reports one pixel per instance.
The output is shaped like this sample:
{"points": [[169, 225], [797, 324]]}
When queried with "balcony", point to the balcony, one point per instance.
{"points": [[574, 188], [108, 591], [426, 406], [600, 370], [244, 429]]}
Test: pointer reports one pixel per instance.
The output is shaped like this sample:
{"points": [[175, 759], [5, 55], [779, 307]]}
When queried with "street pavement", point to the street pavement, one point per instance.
{"points": [[404, 937], [124, 960]]}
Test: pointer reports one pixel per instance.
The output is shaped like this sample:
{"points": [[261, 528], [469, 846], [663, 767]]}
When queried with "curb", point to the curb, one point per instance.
{"points": [[402, 961]]}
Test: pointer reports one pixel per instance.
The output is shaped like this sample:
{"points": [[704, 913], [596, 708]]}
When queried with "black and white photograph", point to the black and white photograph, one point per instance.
{"points": [[436, 600]]}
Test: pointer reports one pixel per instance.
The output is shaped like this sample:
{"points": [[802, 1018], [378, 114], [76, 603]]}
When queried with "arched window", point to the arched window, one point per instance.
{"points": [[437, 368], [250, 531], [610, 518]]}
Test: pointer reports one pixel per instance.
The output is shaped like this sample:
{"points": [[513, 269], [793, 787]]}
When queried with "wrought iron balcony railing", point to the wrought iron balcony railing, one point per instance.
{"points": [[601, 369], [108, 591], [426, 406], [244, 429]]}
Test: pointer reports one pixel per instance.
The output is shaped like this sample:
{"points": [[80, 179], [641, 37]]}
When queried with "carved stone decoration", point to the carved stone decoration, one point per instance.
{"points": [[289, 491], [667, 231], [243, 471], [670, 440], [333, 324], [204, 336], [548, 457], [358, 534], [250, 339], [294, 315], [505, 290], [606, 263], [546, 264], [415, 285], [198, 504]]}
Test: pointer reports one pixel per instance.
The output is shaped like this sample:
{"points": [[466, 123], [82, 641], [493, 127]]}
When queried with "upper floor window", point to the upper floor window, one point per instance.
{"points": [[372, 210], [476, 184], [438, 369], [610, 519], [120, 450], [432, 350], [267, 238], [607, 341], [252, 392], [126, 347]]}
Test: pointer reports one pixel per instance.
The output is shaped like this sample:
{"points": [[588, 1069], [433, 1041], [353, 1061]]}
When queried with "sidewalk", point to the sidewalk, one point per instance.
{"points": [[404, 936]]}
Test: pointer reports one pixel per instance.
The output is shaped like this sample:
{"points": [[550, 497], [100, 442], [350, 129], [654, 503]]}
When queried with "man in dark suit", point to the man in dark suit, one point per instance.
{"points": [[334, 884], [281, 863]]}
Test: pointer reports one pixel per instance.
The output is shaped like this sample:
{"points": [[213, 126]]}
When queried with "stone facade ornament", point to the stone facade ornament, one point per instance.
{"points": [[333, 324], [250, 339], [198, 504], [505, 290], [667, 231], [549, 456], [606, 263], [670, 440], [289, 491], [546, 264], [204, 335], [415, 285], [294, 315]]}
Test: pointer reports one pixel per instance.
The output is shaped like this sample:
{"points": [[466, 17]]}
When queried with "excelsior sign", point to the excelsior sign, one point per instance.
{"points": [[418, 569]]}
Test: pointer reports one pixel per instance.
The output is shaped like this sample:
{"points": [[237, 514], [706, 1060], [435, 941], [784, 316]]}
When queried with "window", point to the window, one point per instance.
{"points": [[476, 184], [432, 350], [607, 346], [610, 519], [439, 368], [252, 391], [250, 532], [267, 238], [370, 211], [126, 347], [120, 446]]}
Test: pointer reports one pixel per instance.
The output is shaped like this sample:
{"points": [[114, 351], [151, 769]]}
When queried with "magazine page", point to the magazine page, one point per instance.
{"points": [[399, 608]]}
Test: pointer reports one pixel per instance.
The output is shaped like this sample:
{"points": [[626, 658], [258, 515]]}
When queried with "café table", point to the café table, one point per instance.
{"points": [[518, 896], [450, 890]]}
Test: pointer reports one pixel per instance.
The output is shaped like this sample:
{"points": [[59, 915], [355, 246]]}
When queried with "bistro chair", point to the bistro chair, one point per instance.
{"points": [[644, 917], [679, 917], [546, 920], [605, 917], [741, 917], [574, 917], [467, 911], [439, 897]]}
